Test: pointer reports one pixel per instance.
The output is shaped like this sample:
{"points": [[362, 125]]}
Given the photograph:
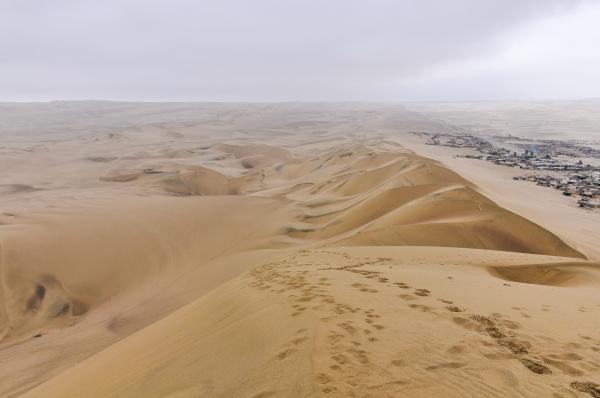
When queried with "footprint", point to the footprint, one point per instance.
{"points": [[339, 358], [535, 366], [482, 320], [590, 388], [449, 365], [457, 349], [360, 356], [419, 307], [464, 322], [510, 324], [347, 327], [285, 353], [494, 332], [299, 340], [323, 378], [515, 346], [407, 297], [402, 285], [264, 394]]}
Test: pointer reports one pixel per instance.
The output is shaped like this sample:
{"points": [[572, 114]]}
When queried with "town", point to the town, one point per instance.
{"points": [[551, 160]]}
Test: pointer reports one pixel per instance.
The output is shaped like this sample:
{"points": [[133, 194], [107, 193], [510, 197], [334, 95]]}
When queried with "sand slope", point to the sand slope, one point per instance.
{"points": [[361, 322]]}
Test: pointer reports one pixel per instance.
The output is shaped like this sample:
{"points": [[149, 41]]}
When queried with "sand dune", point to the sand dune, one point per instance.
{"points": [[318, 265], [346, 322]]}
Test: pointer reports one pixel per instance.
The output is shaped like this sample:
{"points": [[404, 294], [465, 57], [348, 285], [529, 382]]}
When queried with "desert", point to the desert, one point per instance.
{"points": [[266, 250]]}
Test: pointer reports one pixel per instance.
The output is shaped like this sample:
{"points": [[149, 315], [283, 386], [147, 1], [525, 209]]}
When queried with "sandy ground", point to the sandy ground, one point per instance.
{"points": [[294, 250]]}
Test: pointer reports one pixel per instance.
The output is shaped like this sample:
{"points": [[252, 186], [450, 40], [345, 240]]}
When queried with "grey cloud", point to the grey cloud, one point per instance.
{"points": [[244, 50]]}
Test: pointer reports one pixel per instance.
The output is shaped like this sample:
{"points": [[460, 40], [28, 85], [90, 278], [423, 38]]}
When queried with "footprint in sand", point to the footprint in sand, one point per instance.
{"points": [[323, 378], [407, 297], [457, 349], [535, 367], [590, 388], [402, 285], [264, 394], [422, 292], [453, 308], [285, 353], [514, 346], [339, 358], [449, 365], [419, 307], [347, 327]]}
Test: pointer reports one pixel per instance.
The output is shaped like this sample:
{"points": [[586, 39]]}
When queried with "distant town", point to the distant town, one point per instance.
{"points": [[556, 164]]}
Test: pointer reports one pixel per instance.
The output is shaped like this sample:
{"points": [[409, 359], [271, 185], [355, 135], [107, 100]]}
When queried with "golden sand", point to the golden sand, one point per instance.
{"points": [[330, 267]]}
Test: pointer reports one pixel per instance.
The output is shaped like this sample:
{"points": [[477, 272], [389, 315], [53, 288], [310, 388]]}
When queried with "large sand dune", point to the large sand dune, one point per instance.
{"points": [[159, 261]]}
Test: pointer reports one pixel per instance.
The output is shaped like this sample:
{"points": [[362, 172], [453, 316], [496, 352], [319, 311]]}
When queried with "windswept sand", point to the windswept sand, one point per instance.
{"points": [[172, 259]]}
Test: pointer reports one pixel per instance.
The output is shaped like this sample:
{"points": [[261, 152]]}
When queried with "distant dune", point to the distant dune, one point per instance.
{"points": [[559, 120], [191, 257]]}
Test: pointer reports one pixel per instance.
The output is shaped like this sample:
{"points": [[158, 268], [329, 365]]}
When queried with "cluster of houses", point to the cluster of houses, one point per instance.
{"points": [[460, 141], [558, 148], [572, 178], [530, 160], [583, 185]]}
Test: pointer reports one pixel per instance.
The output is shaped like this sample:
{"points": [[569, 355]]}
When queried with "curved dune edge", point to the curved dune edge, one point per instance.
{"points": [[104, 275], [565, 274]]}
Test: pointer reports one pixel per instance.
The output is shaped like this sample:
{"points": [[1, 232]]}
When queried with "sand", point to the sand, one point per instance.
{"points": [[294, 250]]}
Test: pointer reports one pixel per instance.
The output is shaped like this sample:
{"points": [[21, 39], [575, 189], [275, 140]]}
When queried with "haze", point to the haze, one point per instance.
{"points": [[299, 50]]}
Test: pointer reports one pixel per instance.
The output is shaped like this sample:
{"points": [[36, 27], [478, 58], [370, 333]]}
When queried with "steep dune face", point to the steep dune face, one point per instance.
{"points": [[254, 155], [200, 180], [337, 252], [409, 200], [194, 363], [60, 267], [458, 218], [564, 274]]}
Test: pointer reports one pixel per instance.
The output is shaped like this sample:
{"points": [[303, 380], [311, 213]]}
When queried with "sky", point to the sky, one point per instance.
{"points": [[292, 50]]}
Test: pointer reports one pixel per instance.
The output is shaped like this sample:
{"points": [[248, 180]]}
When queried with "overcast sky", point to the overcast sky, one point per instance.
{"points": [[272, 50]]}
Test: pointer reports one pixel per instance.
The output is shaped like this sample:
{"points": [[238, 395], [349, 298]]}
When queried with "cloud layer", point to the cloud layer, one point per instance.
{"points": [[269, 50]]}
